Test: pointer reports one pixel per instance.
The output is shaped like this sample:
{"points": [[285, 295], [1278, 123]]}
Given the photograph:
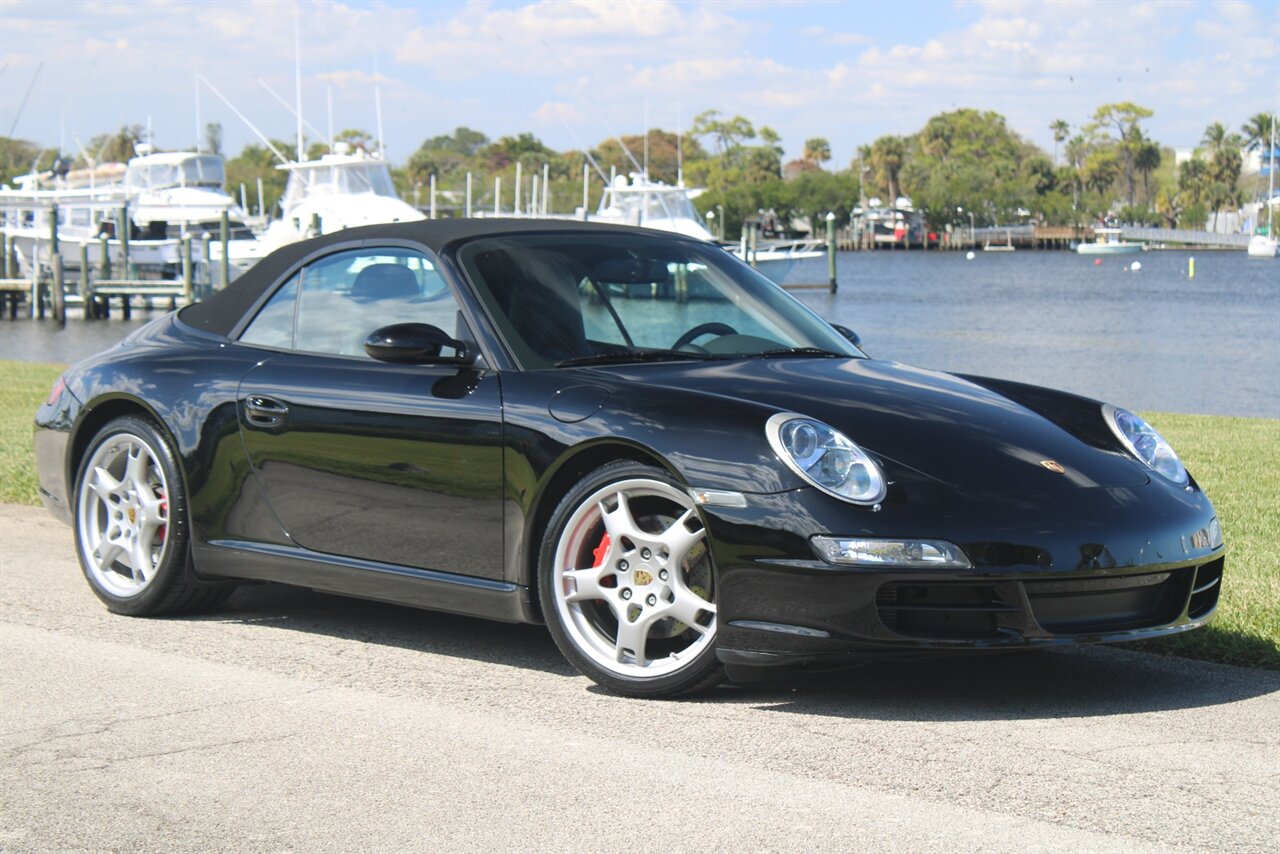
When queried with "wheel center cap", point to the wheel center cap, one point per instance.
{"points": [[642, 577], [132, 514]]}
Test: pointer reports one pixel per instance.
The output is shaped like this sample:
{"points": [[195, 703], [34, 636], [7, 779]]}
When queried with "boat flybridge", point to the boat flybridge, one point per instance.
{"points": [[644, 202], [343, 189], [177, 193]]}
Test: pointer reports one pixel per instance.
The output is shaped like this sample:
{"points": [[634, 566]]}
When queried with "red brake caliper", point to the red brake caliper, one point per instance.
{"points": [[601, 550], [600, 553]]}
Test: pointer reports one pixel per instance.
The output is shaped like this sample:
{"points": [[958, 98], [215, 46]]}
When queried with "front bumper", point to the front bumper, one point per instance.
{"points": [[1106, 565]]}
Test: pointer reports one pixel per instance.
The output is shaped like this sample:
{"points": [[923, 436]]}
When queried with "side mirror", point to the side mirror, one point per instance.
{"points": [[415, 344], [853, 337]]}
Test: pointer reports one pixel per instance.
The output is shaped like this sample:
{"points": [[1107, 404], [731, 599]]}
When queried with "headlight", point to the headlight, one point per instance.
{"points": [[1145, 443], [825, 458]]}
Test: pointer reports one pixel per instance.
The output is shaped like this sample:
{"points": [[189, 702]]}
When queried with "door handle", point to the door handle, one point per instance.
{"points": [[262, 411]]}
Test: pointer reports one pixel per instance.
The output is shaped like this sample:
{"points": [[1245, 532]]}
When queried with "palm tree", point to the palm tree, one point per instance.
{"points": [[817, 150], [1061, 130], [1257, 131], [1215, 135], [1147, 160], [888, 153]]}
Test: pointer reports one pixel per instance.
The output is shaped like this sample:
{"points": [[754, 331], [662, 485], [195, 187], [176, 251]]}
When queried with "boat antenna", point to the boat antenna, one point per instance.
{"points": [[284, 160], [297, 79], [25, 96], [646, 138], [679, 149], [328, 96], [377, 106], [577, 140], [197, 84], [286, 105]]}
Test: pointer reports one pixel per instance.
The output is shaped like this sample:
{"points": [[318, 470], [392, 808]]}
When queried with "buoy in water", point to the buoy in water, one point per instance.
{"points": [[1137, 265], [1097, 262], [968, 256]]}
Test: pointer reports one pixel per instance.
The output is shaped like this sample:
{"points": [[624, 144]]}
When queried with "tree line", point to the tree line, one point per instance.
{"points": [[962, 162]]}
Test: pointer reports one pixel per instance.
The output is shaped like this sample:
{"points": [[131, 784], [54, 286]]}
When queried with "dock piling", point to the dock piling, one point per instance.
{"points": [[224, 237], [831, 251], [188, 278], [206, 244]]}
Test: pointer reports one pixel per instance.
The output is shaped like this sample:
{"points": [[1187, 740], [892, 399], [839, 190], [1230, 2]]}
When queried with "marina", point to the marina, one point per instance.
{"points": [[1140, 338]]}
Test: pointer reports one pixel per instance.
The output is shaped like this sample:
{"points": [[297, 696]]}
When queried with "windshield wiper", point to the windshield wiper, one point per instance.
{"points": [[816, 352], [623, 357]]}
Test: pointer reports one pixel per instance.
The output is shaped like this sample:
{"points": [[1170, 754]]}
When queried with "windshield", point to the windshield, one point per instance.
{"points": [[199, 171], [598, 297]]}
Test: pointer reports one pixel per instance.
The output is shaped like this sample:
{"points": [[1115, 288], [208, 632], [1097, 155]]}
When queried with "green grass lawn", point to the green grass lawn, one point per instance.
{"points": [[1236, 460]]}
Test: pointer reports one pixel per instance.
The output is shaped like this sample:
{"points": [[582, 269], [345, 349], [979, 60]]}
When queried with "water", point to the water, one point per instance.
{"points": [[1152, 339], [1147, 340]]}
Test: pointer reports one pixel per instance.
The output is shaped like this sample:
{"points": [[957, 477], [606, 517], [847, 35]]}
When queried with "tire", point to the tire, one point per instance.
{"points": [[131, 525], [627, 584]]}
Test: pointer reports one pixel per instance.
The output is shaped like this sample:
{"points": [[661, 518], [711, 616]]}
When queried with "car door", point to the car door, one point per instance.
{"points": [[399, 464]]}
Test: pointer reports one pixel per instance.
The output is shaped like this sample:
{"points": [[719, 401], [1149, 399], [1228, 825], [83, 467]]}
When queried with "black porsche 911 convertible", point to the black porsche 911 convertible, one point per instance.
{"points": [[630, 436]]}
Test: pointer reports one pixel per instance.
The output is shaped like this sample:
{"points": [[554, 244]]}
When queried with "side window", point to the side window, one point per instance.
{"points": [[273, 327], [346, 296]]}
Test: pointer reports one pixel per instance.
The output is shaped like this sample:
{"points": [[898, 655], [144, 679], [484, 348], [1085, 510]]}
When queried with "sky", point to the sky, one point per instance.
{"points": [[575, 72]]}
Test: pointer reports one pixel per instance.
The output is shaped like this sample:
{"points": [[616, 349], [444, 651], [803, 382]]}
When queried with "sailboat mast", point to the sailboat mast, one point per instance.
{"points": [[297, 79]]}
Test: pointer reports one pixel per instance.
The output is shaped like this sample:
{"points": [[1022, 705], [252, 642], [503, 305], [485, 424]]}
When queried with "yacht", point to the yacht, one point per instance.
{"points": [[1108, 241], [342, 189], [641, 201], [178, 193], [168, 195]]}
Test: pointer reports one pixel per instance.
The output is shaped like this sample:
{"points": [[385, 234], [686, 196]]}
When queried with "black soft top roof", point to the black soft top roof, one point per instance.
{"points": [[221, 312]]}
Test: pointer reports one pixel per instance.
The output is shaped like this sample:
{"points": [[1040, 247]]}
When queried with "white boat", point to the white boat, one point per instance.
{"points": [[1107, 241], [177, 193], [643, 202], [1265, 245], [168, 195], [341, 190]]}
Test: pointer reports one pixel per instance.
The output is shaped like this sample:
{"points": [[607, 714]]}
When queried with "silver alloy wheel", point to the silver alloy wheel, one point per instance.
{"points": [[123, 515], [645, 607]]}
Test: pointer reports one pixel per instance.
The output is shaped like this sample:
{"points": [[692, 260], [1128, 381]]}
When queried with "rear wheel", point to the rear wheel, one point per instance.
{"points": [[131, 524], [628, 586]]}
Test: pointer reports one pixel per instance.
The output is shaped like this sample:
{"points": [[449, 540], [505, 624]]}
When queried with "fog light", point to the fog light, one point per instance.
{"points": [[907, 554]]}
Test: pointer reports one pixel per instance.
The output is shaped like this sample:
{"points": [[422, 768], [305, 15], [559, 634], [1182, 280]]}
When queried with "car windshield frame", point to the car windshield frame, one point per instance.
{"points": [[578, 261]]}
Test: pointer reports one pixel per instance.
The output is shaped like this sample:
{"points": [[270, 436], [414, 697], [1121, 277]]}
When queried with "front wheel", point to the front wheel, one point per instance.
{"points": [[628, 586], [131, 524]]}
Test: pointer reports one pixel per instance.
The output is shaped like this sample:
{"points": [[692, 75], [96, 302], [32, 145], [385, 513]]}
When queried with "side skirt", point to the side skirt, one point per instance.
{"points": [[365, 579]]}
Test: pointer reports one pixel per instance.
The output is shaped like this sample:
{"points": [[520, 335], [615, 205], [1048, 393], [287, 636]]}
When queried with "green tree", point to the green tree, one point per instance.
{"points": [[1061, 130], [213, 138], [20, 157], [1257, 131], [463, 140], [118, 147], [1123, 118], [728, 134], [817, 150], [257, 161], [1147, 160]]}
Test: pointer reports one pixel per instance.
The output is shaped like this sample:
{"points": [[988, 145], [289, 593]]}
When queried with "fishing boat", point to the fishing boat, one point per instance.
{"points": [[641, 201], [343, 189], [1108, 241]]}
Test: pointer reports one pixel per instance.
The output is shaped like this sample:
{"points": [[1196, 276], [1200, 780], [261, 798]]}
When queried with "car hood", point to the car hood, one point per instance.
{"points": [[940, 425]]}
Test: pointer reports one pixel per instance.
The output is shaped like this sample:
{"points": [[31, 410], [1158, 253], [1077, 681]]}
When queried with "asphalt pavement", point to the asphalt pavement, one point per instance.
{"points": [[296, 721]]}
